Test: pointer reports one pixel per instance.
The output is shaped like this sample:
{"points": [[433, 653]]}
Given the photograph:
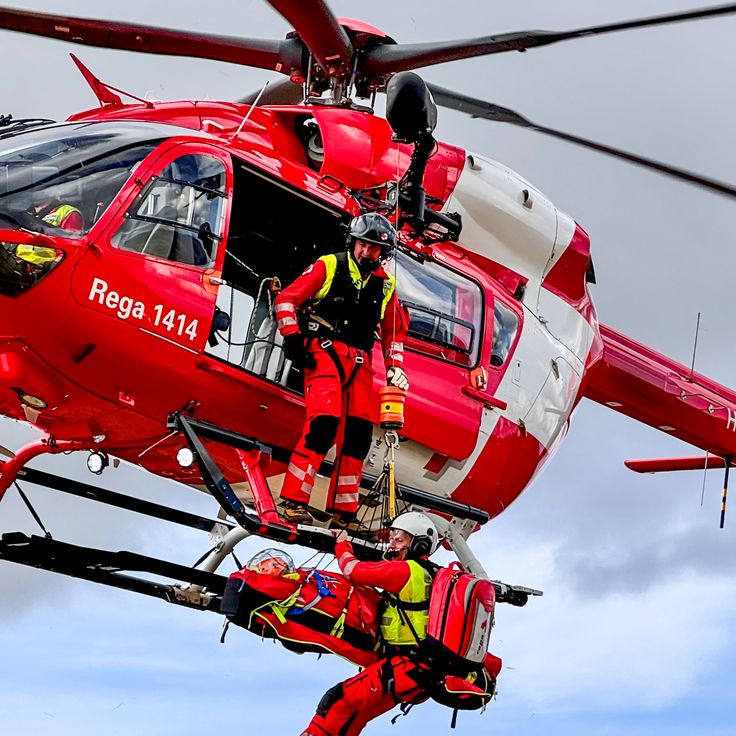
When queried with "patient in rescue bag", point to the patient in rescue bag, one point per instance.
{"points": [[308, 610], [321, 611]]}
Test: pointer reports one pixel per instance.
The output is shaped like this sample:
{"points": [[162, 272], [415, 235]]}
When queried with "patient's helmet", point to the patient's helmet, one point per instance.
{"points": [[271, 561]]}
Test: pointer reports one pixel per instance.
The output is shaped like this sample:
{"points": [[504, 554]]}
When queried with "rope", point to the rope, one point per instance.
{"points": [[237, 561], [392, 442], [321, 555]]}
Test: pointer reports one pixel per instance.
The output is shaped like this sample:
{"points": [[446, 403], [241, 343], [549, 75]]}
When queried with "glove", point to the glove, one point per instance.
{"points": [[395, 376], [295, 350]]}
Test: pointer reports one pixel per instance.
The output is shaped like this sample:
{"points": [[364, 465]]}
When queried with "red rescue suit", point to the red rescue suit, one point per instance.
{"points": [[342, 310], [346, 708]]}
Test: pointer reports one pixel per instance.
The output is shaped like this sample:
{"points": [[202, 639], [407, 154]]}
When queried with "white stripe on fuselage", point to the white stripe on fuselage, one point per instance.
{"points": [[545, 371]]}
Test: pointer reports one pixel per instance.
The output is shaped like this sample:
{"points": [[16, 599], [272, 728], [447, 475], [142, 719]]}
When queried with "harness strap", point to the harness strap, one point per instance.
{"points": [[339, 628], [404, 709], [329, 348], [407, 621], [359, 360], [387, 677], [345, 381], [279, 608]]}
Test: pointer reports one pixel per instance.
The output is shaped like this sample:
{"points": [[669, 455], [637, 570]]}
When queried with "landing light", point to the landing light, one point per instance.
{"points": [[34, 402], [97, 462], [185, 457]]}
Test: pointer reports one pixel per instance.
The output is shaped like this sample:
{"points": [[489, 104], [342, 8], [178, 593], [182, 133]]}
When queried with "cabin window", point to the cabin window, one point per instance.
{"points": [[179, 214], [505, 326], [444, 309]]}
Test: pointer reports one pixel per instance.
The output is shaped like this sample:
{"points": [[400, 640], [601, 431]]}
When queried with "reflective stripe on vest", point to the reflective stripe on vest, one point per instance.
{"points": [[330, 262], [393, 623], [59, 214]]}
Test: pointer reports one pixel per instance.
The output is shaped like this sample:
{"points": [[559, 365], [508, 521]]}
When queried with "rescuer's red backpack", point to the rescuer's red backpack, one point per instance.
{"points": [[461, 610]]}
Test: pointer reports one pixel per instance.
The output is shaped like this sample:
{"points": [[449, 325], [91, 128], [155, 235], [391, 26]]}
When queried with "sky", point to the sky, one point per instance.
{"points": [[636, 631]]}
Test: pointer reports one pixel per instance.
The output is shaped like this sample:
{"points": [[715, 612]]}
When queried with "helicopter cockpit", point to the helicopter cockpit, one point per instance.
{"points": [[52, 172]]}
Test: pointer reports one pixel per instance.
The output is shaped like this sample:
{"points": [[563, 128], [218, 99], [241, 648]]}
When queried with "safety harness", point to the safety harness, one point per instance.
{"points": [[350, 309], [345, 380]]}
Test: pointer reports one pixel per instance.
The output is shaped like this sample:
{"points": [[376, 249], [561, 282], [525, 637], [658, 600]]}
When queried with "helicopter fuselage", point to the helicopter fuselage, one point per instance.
{"points": [[118, 332]]}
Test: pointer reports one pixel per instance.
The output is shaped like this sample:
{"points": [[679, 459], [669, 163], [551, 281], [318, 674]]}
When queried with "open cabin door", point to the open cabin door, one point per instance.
{"points": [[275, 232]]}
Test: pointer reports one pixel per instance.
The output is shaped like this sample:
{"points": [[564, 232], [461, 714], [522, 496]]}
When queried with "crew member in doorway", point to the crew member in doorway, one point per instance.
{"points": [[328, 317], [405, 576]]}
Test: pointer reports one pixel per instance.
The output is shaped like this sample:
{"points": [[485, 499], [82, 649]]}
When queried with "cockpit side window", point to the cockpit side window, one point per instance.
{"points": [[505, 326], [179, 215], [444, 309]]}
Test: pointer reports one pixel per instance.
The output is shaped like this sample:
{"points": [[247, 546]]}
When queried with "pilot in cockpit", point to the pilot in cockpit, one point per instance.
{"points": [[61, 215]]}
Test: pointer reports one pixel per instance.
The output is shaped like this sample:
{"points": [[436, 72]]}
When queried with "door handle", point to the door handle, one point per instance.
{"points": [[484, 398]]}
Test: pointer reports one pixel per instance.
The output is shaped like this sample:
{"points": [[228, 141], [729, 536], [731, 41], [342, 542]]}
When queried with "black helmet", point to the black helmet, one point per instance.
{"points": [[375, 229]]}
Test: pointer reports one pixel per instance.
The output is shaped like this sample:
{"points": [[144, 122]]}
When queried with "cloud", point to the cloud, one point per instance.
{"points": [[619, 651]]}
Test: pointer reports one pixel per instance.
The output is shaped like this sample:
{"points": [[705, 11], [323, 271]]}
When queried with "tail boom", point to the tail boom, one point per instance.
{"points": [[655, 390]]}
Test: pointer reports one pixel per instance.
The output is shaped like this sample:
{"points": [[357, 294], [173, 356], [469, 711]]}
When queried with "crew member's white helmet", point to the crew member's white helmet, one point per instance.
{"points": [[422, 528]]}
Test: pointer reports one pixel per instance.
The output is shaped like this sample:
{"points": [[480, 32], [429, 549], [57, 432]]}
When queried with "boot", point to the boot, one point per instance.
{"points": [[293, 512]]}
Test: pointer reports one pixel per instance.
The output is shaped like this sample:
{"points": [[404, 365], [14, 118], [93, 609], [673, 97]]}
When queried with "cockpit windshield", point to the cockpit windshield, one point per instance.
{"points": [[58, 180]]}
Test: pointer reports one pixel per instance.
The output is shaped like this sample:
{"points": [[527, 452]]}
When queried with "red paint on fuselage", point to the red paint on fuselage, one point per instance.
{"points": [[506, 465], [567, 278]]}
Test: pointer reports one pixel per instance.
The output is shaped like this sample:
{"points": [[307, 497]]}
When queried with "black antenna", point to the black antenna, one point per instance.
{"points": [[725, 490]]}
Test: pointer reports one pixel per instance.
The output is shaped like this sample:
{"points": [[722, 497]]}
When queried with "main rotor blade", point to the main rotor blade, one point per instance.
{"points": [[488, 111], [261, 53], [389, 59], [319, 30]]}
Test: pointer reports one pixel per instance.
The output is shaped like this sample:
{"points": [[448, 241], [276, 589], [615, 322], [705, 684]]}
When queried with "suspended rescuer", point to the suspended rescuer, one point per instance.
{"points": [[328, 317], [405, 575]]}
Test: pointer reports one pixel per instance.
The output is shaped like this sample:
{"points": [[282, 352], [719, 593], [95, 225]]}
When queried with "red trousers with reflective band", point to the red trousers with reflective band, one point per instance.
{"points": [[324, 396], [365, 697]]}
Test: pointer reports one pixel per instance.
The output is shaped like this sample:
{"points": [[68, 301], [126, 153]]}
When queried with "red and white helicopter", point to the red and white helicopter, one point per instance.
{"points": [[191, 206]]}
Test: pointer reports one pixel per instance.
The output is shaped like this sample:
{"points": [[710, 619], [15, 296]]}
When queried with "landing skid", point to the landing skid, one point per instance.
{"points": [[199, 586], [107, 568]]}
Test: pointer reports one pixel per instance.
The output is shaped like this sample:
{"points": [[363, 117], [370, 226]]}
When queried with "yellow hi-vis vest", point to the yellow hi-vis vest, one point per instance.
{"points": [[394, 628], [356, 277], [57, 215]]}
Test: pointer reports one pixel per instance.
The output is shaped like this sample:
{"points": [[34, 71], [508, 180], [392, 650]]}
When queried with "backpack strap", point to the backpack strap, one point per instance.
{"points": [[429, 566], [405, 605]]}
